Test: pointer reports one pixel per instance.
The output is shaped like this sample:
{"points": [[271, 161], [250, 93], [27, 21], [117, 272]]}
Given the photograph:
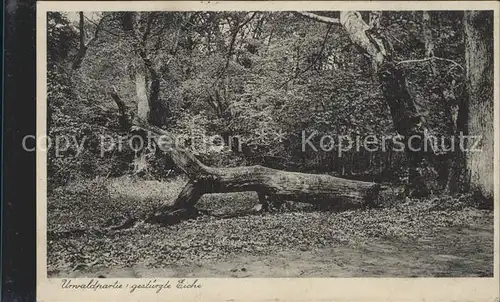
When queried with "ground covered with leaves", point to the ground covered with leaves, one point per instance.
{"points": [[433, 237]]}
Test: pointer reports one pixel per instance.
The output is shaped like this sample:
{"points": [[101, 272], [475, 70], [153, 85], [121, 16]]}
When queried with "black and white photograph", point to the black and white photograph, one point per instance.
{"points": [[269, 143]]}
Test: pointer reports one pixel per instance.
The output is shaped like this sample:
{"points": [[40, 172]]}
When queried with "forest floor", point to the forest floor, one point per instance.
{"points": [[437, 237]]}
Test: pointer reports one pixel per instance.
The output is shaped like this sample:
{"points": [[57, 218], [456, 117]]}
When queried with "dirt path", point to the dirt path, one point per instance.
{"points": [[463, 252]]}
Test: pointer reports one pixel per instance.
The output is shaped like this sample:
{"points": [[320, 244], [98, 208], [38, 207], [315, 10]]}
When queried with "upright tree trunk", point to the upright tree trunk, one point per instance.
{"points": [[141, 95], [143, 110], [147, 80], [406, 119], [428, 39], [147, 76], [478, 28], [82, 48]]}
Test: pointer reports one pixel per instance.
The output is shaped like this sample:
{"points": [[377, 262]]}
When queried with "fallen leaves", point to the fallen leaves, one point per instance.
{"points": [[208, 238]]}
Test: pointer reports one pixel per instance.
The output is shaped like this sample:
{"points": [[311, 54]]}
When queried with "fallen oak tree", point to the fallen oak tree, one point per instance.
{"points": [[270, 184]]}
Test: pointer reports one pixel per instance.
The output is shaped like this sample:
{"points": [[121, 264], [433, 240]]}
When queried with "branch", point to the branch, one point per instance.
{"points": [[248, 20], [312, 63], [175, 45], [319, 18], [84, 46], [430, 59], [104, 29], [183, 159], [151, 18], [124, 119], [234, 35], [96, 32], [233, 40]]}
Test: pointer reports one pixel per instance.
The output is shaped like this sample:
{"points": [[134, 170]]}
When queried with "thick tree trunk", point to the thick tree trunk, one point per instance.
{"points": [[272, 184], [83, 47], [428, 39], [147, 79], [141, 93], [405, 116], [147, 76], [447, 165], [407, 123], [125, 114], [77, 62], [478, 27], [155, 112], [406, 119]]}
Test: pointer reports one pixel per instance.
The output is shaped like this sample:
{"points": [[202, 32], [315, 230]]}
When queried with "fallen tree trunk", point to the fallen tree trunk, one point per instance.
{"points": [[270, 184]]}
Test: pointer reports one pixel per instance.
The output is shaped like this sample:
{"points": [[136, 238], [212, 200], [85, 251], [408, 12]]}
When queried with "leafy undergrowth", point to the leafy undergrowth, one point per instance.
{"points": [[78, 213]]}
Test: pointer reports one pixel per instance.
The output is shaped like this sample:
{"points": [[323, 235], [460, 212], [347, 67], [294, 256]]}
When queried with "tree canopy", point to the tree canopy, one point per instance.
{"points": [[268, 78]]}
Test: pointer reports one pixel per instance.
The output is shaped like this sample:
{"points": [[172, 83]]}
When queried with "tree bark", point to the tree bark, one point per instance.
{"points": [[125, 117], [83, 47], [77, 62], [449, 164], [147, 79], [141, 92], [143, 109], [478, 29], [147, 76], [428, 39], [406, 119]]}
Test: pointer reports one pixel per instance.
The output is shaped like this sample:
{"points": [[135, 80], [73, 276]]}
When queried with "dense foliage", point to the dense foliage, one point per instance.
{"points": [[265, 77]]}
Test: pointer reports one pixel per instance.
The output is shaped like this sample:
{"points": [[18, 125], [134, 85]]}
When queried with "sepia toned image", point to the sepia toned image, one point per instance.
{"points": [[268, 143]]}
